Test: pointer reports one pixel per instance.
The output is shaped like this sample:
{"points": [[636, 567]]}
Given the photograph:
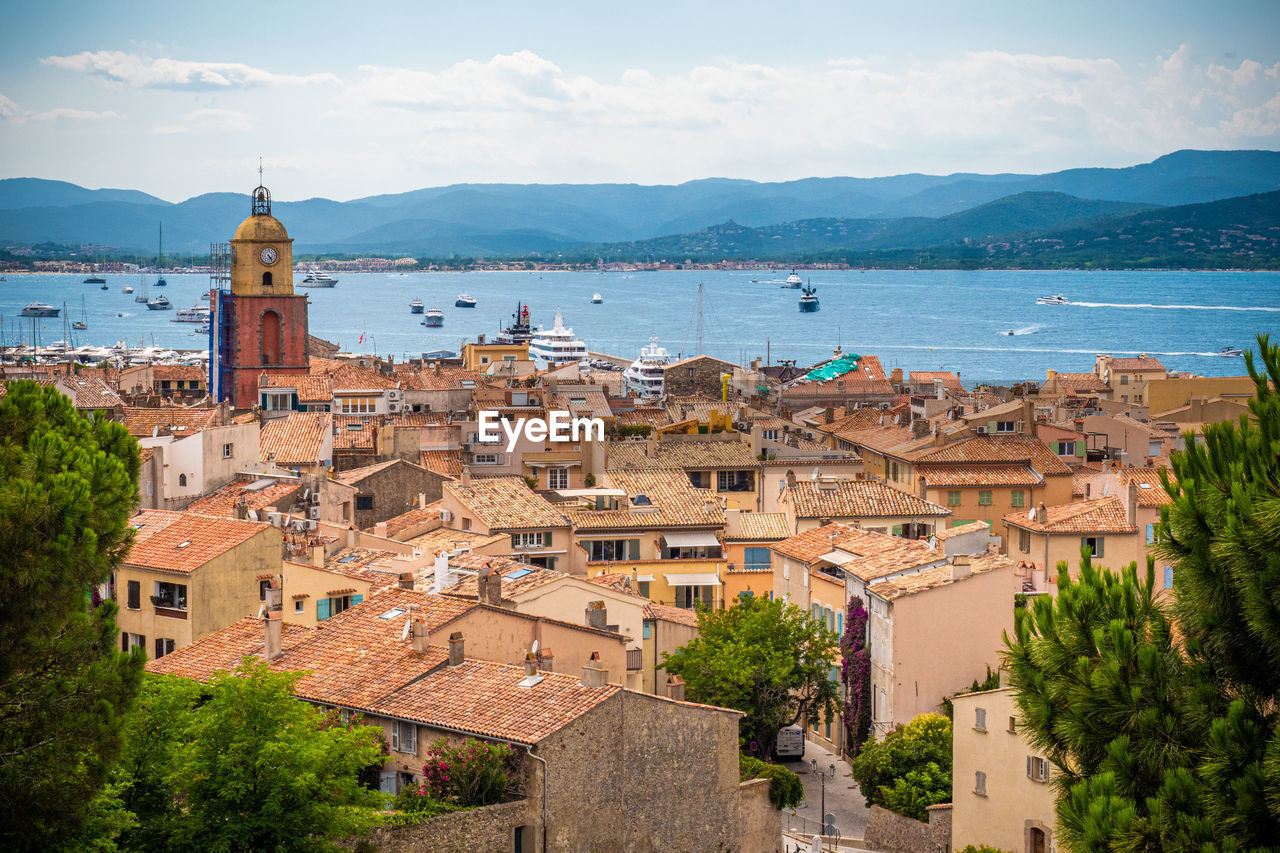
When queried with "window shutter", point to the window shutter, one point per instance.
{"points": [[1030, 772], [633, 549], [124, 637], [1100, 543], [322, 609], [293, 402], [1168, 577], [356, 599], [395, 736], [135, 594], [1080, 448], [159, 647]]}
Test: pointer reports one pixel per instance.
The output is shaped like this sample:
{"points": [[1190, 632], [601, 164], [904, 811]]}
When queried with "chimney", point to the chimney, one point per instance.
{"points": [[272, 630], [919, 428], [675, 687], [1131, 504], [828, 415], [1196, 414], [464, 479], [419, 634], [488, 585], [732, 522], [757, 439], [1028, 416], [530, 664], [960, 567], [546, 660], [380, 530], [597, 615], [455, 649], [442, 575], [274, 598], [895, 376], [791, 480], [241, 509], [593, 674], [422, 500], [709, 505], [406, 580], [1042, 514], [317, 555]]}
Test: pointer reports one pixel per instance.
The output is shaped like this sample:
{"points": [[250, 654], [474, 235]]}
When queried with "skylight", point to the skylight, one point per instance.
{"points": [[519, 573], [1144, 485], [349, 558], [393, 613], [530, 680], [184, 544]]}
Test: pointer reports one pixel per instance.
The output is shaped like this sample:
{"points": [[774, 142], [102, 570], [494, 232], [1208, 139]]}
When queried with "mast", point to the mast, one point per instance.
{"points": [[699, 318]]}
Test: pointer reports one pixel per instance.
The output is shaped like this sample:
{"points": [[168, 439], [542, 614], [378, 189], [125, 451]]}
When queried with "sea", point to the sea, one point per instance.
{"points": [[913, 319]]}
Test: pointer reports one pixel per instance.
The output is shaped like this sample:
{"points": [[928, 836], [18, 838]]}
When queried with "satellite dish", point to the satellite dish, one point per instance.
{"points": [[534, 649], [404, 635], [261, 609], [814, 476]]}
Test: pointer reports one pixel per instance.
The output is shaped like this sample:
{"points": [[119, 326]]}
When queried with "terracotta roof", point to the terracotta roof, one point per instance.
{"points": [[487, 699], [297, 439], [998, 448], [1145, 363], [673, 502], [354, 432], [888, 440], [356, 475], [962, 476], [1151, 491], [446, 463], [689, 454], [180, 372], [811, 544], [960, 530], [185, 541], [416, 419], [531, 576], [223, 502], [760, 527], [351, 378], [312, 388], [643, 416], [411, 518], [927, 579], [380, 569], [168, 420], [448, 539], [90, 392], [667, 613], [615, 581], [1082, 383], [866, 555], [927, 377], [451, 379], [506, 503], [1101, 515], [695, 406], [857, 499]]}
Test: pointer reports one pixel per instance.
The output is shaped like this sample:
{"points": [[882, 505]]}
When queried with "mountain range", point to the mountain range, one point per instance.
{"points": [[913, 210]]}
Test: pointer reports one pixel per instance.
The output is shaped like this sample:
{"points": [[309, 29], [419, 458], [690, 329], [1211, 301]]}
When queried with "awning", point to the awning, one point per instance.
{"points": [[693, 579], [542, 463], [644, 578], [691, 539], [838, 557]]}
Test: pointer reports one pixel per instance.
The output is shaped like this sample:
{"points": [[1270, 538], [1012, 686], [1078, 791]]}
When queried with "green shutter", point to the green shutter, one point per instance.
{"points": [[1080, 448], [633, 549], [322, 609], [356, 599]]}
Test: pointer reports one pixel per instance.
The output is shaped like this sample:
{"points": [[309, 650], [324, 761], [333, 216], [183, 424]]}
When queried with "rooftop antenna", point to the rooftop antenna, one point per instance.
{"points": [[259, 170]]}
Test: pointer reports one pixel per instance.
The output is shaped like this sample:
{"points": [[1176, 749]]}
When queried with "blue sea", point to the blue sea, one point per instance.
{"points": [[916, 320]]}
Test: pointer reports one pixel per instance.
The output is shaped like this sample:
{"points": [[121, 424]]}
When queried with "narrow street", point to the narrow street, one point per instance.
{"points": [[843, 798]]}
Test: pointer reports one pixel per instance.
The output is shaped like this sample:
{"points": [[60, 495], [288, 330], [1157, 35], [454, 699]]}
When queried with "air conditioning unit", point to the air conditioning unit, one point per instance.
{"points": [[312, 525], [314, 500], [299, 525], [273, 518], [313, 512], [446, 516], [981, 430]]}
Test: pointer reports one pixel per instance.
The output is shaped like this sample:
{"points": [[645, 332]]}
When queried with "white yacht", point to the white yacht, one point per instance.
{"points": [[434, 318], [793, 281], [416, 307], [557, 346], [1053, 300], [644, 376], [160, 303], [597, 299], [318, 278], [195, 314]]}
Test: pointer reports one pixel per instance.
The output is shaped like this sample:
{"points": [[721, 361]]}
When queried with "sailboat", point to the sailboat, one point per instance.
{"points": [[142, 297], [83, 323], [160, 282]]}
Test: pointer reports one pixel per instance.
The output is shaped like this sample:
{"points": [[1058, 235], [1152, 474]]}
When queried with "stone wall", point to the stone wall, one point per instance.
{"points": [[696, 376], [490, 829], [760, 823], [893, 833]]}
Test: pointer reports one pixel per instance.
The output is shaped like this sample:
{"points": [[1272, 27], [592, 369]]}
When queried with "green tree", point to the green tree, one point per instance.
{"points": [[910, 769], [764, 657], [1167, 744], [68, 485], [262, 770]]}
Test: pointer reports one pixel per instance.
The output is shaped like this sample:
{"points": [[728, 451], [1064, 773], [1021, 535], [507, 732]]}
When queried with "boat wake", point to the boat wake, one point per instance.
{"points": [[1025, 330], [1173, 307]]}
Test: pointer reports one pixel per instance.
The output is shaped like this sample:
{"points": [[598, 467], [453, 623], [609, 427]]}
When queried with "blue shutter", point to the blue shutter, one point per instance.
{"points": [[356, 599], [840, 624], [1151, 534], [1168, 577], [322, 609]]}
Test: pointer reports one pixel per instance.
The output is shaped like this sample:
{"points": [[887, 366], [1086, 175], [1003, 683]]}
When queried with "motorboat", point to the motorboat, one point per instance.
{"points": [[415, 307], [434, 318], [160, 303], [104, 286], [556, 346], [194, 314], [126, 289], [79, 325], [793, 281], [464, 301], [644, 376], [203, 328], [1009, 332], [318, 278], [39, 309], [1231, 352], [808, 299], [597, 299], [519, 331], [95, 279], [1053, 300]]}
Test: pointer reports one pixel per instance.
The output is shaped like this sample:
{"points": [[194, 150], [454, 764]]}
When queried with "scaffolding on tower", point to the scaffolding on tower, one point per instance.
{"points": [[222, 324]]}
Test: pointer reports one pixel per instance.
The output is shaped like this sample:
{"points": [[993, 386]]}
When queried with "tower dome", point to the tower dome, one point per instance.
{"points": [[261, 251]]}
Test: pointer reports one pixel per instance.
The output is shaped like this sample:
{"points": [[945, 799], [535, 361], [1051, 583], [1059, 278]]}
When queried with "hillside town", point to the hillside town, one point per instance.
{"points": [[345, 517]]}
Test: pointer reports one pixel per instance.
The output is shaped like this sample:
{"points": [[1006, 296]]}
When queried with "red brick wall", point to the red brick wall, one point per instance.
{"points": [[291, 345]]}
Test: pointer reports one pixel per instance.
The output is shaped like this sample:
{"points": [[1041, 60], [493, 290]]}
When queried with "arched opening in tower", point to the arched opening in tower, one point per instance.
{"points": [[271, 337]]}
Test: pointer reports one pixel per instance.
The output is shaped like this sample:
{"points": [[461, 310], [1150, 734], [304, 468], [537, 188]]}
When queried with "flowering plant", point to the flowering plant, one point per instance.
{"points": [[473, 774], [855, 673]]}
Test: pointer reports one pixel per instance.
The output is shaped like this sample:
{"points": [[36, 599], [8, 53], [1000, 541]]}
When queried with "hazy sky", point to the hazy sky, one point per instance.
{"points": [[351, 99]]}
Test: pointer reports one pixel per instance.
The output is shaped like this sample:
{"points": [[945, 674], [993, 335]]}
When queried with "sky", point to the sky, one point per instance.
{"points": [[346, 100]]}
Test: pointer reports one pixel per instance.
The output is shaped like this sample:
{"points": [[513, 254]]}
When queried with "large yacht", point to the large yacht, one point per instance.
{"points": [[160, 303], [793, 281], [195, 314], [520, 330], [415, 307], [464, 301], [318, 278], [556, 346], [434, 318], [809, 299], [644, 376], [39, 309]]}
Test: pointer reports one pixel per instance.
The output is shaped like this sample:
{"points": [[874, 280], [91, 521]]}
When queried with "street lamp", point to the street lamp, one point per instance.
{"points": [[823, 775]]}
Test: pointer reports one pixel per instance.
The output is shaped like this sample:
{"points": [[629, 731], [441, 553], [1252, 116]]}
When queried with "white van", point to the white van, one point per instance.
{"points": [[790, 743]]}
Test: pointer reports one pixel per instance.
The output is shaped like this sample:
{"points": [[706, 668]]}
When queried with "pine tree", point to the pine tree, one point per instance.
{"points": [[68, 485], [1163, 720]]}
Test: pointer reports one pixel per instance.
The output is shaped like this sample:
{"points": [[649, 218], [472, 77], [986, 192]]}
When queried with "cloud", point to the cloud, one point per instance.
{"points": [[130, 69], [205, 120], [8, 108], [74, 115]]}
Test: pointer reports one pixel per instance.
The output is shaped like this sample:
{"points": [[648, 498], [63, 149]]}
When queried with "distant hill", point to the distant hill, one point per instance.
{"points": [[516, 219]]}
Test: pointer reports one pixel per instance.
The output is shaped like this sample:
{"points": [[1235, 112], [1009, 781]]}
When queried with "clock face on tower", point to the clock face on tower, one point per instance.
{"points": [[268, 255]]}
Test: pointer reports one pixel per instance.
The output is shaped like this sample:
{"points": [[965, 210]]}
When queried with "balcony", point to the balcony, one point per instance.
{"points": [[635, 659], [170, 607]]}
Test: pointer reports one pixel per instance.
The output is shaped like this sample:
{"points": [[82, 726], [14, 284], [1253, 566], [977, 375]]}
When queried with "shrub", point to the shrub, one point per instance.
{"points": [[905, 756], [589, 481], [786, 791], [473, 774], [982, 848]]}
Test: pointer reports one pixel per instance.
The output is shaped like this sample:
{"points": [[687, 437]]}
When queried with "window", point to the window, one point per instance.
{"points": [[1168, 577], [271, 334], [135, 595], [358, 405], [277, 401], [1013, 725], [980, 783], [226, 451], [364, 502], [132, 641], [756, 558], [1093, 543], [699, 480], [1017, 498], [266, 279], [404, 737], [171, 595], [733, 481], [182, 479], [690, 369], [984, 497], [953, 498], [643, 588], [980, 719], [484, 458], [163, 646], [1124, 380], [770, 435], [613, 549], [1037, 769], [297, 606], [557, 478], [1004, 426], [1151, 534], [648, 629], [1024, 541], [528, 540], [263, 586]]}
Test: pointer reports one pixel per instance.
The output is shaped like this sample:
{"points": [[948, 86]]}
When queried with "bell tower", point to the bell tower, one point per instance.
{"points": [[259, 324]]}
